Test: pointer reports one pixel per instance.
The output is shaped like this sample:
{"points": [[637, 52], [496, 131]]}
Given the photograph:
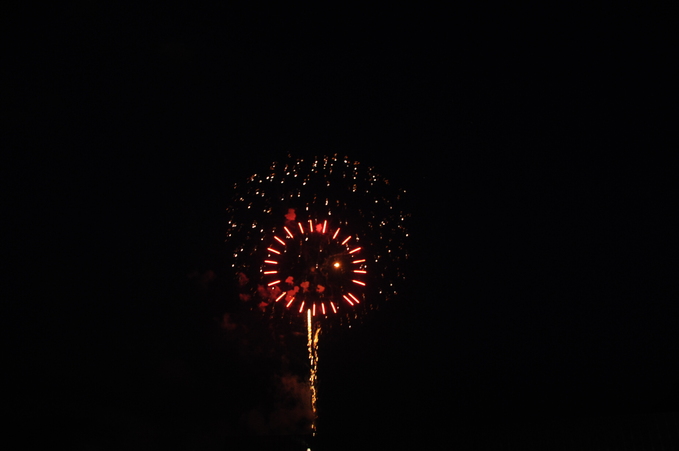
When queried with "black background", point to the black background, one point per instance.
{"points": [[533, 148]]}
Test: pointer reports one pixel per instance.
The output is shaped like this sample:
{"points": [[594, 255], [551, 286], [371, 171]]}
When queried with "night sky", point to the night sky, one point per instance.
{"points": [[542, 282]]}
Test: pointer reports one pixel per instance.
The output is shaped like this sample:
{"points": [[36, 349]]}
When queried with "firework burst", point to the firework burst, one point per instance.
{"points": [[317, 241], [325, 234]]}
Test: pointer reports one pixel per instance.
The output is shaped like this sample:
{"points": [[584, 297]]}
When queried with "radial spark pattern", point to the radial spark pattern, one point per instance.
{"points": [[324, 234]]}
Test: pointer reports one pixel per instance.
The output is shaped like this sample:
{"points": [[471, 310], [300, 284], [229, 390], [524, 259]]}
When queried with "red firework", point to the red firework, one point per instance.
{"points": [[313, 266]]}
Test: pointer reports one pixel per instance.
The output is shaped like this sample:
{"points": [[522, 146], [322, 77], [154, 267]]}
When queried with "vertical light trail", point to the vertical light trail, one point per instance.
{"points": [[313, 333]]}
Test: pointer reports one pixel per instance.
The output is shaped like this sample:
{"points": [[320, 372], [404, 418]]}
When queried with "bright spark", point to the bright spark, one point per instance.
{"points": [[347, 299]]}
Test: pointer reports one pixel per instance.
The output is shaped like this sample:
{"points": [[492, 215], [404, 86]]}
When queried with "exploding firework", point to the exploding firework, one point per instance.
{"points": [[318, 241], [318, 269], [324, 234]]}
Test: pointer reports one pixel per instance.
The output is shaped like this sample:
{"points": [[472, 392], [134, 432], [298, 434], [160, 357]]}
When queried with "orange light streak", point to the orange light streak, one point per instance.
{"points": [[270, 272], [360, 271], [325, 225], [358, 282], [311, 226], [312, 346], [291, 301], [288, 231], [301, 307], [335, 234], [346, 240], [323, 307], [313, 313], [275, 282], [279, 240], [359, 261], [347, 299], [280, 297], [272, 262], [354, 298], [333, 307], [270, 249], [301, 229], [355, 250]]}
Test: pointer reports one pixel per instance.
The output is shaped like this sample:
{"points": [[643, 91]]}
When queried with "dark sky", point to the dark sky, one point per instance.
{"points": [[542, 281]]}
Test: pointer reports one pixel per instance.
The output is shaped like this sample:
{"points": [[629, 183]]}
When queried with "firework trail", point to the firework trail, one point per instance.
{"points": [[313, 333]]}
